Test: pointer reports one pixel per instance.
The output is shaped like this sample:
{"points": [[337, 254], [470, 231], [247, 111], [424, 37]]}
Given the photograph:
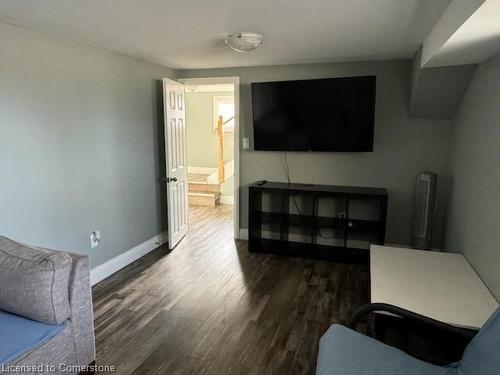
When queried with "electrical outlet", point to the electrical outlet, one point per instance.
{"points": [[95, 238], [342, 215]]}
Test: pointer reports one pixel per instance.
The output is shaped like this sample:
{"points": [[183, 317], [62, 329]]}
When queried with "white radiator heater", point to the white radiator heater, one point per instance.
{"points": [[424, 209]]}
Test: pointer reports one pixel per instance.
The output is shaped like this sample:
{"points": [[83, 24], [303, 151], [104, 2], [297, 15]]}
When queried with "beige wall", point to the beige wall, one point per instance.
{"points": [[474, 215], [202, 146], [403, 146]]}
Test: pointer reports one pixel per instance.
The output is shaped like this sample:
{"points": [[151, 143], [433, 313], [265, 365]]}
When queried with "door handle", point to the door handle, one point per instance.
{"points": [[167, 180]]}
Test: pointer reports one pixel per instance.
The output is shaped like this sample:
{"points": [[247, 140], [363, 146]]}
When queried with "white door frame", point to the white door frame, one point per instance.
{"points": [[235, 81]]}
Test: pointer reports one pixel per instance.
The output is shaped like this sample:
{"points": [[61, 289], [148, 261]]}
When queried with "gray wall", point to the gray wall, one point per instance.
{"points": [[473, 223], [437, 92], [80, 145], [403, 146]]}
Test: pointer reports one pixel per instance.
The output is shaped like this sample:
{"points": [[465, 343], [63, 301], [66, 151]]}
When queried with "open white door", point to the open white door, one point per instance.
{"points": [[176, 161]]}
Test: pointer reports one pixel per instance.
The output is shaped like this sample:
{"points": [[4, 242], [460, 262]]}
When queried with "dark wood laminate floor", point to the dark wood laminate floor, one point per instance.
{"points": [[210, 307]]}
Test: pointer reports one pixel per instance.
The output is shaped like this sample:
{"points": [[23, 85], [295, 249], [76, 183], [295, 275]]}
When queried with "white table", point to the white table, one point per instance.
{"points": [[442, 286]]}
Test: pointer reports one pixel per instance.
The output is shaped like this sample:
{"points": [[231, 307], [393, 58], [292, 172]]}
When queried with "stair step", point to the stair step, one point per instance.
{"points": [[201, 187], [204, 199]]}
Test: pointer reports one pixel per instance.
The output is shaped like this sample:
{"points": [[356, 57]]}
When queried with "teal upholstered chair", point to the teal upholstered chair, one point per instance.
{"points": [[344, 351]]}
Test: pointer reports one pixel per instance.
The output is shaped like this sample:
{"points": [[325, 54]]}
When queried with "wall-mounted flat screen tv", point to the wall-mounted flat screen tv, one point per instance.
{"points": [[334, 114]]}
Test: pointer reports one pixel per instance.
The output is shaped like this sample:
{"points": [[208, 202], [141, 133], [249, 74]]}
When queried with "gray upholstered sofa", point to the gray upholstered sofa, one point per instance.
{"points": [[46, 320]]}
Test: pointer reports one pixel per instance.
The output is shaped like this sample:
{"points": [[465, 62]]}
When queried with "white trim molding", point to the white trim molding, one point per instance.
{"points": [[115, 264], [220, 99]]}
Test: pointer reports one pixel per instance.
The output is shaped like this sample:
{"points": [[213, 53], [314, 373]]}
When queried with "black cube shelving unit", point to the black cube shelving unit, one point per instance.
{"points": [[336, 223]]}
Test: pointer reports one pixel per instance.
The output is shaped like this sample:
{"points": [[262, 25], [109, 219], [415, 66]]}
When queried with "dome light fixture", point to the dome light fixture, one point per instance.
{"points": [[244, 41]]}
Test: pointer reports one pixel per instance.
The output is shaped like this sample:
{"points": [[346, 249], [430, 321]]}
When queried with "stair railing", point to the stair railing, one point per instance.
{"points": [[220, 140], [220, 158]]}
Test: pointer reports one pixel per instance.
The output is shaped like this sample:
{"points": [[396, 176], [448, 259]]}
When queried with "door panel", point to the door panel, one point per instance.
{"points": [[175, 154]]}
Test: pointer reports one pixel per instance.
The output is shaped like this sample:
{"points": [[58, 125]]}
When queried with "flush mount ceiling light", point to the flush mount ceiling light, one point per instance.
{"points": [[245, 41]]}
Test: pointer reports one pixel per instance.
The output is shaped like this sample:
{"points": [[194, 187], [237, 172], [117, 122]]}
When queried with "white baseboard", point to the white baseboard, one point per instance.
{"points": [[243, 234], [227, 199], [202, 170], [115, 264]]}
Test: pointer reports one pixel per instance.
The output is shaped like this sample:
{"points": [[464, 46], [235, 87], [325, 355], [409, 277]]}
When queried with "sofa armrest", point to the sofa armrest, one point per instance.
{"points": [[436, 342], [82, 317], [410, 318]]}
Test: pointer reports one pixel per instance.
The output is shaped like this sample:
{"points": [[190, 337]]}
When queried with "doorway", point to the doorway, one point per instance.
{"points": [[212, 142]]}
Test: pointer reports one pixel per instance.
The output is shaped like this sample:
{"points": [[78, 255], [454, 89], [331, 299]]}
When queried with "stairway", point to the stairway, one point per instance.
{"points": [[202, 193]]}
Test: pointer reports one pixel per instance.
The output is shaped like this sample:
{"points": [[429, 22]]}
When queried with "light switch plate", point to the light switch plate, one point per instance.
{"points": [[246, 143]]}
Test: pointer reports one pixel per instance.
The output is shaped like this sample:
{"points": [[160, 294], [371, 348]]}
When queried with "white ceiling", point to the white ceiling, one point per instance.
{"points": [[189, 34]]}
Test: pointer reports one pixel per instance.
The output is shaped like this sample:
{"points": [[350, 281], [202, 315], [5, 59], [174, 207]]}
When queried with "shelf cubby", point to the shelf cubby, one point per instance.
{"points": [[316, 221]]}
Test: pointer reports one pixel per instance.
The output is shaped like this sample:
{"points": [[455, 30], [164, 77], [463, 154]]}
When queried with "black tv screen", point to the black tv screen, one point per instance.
{"points": [[334, 114]]}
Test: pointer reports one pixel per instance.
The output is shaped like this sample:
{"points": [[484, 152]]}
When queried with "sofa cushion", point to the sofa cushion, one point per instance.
{"points": [[34, 282], [343, 351], [482, 355], [20, 335]]}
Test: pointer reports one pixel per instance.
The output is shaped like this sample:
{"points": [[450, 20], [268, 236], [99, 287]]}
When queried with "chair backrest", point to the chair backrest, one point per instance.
{"points": [[482, 355]]}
